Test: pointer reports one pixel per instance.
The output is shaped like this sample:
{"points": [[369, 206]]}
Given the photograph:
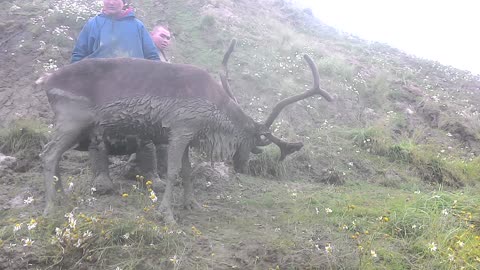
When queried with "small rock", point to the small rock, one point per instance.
{"points": [[7, 161]]}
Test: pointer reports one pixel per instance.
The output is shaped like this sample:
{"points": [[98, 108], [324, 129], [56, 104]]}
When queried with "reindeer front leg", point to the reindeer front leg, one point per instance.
{"points": [[99, 163], [176, 148], [189, 201], [147, 162]]}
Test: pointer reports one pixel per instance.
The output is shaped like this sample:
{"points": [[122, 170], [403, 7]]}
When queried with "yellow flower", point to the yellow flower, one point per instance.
{"points": [[196, 231], [125, 195], [328, 248], [174, 259], [149, 183]]}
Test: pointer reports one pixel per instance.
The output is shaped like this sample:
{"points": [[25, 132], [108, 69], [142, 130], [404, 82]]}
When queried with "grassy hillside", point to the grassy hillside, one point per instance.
{"points": [[388, 177]]}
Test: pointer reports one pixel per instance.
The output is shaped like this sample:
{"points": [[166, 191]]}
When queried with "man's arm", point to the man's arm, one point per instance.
{"points": [[149, 48], [81, 49]]}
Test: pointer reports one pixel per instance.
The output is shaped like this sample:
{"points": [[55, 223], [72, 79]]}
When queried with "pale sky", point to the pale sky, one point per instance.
{"points": [[447, 31]]}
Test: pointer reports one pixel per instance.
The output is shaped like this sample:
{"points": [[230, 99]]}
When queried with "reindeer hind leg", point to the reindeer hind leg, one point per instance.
{"points": [[73, 115], [61, 142]]}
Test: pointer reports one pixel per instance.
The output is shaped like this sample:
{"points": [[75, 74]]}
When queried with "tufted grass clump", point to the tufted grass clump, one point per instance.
{"points": [[373, 140], [429, 163], [337, 68], [267, 164], [24, 139]]}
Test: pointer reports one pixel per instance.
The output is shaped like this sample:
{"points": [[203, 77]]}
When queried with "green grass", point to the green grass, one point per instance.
{"points": [[24, 138]]}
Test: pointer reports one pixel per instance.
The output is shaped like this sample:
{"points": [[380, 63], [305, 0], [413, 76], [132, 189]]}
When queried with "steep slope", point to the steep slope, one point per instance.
{"points": [[389, 170]]}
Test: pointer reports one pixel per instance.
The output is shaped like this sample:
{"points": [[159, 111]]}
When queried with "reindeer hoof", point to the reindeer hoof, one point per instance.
{"points": [[167, 215], [159, 185], [103, 185], [191, 204]]}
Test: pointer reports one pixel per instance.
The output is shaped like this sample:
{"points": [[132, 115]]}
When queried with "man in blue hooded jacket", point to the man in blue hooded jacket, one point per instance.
{"points": [[114, 33]]}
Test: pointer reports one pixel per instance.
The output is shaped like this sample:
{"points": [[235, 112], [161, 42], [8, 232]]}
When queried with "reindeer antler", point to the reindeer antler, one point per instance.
{"points": [[316, 90], [287, 148], [224, 77]]}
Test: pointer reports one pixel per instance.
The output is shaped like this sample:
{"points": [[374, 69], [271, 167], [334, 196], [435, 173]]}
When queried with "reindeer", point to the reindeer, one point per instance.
{"points": [[103, 100]]}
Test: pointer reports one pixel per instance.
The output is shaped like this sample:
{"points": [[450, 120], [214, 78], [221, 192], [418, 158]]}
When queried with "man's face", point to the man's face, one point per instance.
{"points": [[161, 37], [112, 7]]}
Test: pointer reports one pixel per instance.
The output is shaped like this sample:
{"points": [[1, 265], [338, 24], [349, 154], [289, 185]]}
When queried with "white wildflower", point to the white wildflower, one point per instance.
{"points": [[152, 196], [451, 257], [72, 222], [32, 224], [17, 227], [328, 248], [29, 200], [27, 242]]}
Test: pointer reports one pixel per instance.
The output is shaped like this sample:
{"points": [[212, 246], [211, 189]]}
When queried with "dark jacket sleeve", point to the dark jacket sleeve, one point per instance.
{"points": [[82, 48], [149, 48]]}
